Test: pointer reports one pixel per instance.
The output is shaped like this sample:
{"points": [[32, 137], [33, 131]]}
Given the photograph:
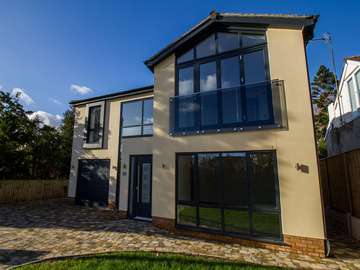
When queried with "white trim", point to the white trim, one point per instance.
{"points": [[102, 115]]}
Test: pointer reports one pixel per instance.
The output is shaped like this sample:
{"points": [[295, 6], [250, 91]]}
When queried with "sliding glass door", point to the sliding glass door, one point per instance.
{"points": [[229, 192]]}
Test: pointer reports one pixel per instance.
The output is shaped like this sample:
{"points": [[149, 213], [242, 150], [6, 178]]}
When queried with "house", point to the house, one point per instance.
{"points": [[221, 146], [343, 131]]}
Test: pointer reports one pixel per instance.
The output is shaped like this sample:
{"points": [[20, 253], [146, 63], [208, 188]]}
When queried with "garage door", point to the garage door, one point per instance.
{"points": [[93, 182]]}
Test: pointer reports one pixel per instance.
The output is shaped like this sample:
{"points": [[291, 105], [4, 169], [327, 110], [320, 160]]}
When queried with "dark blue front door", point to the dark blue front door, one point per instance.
{"points": [[142, 182]]}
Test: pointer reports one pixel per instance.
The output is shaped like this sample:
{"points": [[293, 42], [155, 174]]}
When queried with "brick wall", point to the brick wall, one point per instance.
{"points": [[294, 244]]}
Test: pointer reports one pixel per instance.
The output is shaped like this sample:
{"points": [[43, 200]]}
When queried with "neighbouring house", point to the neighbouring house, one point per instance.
{"points": [[221, 146], [343, 132]]}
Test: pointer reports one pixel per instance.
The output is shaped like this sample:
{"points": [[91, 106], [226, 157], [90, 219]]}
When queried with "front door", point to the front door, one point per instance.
{"points": [[141, 181]]}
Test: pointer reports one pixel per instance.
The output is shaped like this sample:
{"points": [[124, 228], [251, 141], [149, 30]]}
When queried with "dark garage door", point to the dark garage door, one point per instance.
{"points": [[93, 182]]}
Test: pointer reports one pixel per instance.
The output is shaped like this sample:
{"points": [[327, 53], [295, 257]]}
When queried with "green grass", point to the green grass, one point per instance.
{"points": [[142, 260]]}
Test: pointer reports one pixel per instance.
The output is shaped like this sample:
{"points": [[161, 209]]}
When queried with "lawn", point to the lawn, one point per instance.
{"points": [[142, 260]]}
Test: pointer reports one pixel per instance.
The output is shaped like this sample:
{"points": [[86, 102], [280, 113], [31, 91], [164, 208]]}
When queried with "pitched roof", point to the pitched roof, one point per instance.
{"points": [[353, 58], [134, 91], [291, 21]]}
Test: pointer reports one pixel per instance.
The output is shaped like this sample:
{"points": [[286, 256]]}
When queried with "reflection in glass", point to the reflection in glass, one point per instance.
{"points": [[263, 179], [186, 81], [252, 40], [266, 223], [187, 56], [230, 72], [206, 47], [187, 108], [210, 218], [94, 124], [132, 113], [227, 42], [236, 221], [257, 103], [186, 215], [208, 76], [148, 111], [208, 169], [254, 67], [185, 171]]}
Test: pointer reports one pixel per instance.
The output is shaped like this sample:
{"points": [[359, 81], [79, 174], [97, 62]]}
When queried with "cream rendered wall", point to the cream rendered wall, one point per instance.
{"points": [[139, 145], [299, 192]]}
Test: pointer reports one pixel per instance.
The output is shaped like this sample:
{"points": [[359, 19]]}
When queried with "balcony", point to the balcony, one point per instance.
{"points": [[246, 107]]}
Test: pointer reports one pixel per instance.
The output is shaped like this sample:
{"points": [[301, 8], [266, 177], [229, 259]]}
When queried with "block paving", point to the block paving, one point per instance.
{"points": [[46, 229]]}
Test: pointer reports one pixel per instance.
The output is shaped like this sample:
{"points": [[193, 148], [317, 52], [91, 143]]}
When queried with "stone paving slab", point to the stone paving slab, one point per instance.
{"points": [[39, 230]]}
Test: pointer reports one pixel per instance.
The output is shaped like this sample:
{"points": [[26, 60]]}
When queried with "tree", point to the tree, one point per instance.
{"points": [[323, 92], [30, 149]]}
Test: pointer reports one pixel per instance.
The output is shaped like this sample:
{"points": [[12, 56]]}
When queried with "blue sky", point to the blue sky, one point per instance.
{"points": [[50, 49]]}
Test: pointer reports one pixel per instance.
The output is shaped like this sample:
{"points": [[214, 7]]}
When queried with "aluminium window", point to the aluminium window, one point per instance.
{"points": [[137, 118], [94, 123], [235, 193]]}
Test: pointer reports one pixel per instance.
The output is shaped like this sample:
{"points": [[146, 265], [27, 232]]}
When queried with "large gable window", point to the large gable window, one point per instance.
{"points": [[94, 125], [223, 82], [137, 118]]}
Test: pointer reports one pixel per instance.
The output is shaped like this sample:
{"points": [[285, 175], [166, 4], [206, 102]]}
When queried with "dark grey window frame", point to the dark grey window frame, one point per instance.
{"points": [[99, 143], [195, 63], [142, 119], [251, 208]]}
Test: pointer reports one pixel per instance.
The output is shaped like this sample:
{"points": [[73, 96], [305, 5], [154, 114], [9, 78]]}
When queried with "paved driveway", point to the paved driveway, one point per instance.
{"points": [[33, 231]]}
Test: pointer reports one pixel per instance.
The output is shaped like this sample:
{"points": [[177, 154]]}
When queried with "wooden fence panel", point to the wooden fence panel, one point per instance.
{"points": [[31, 190], [325, 183], [353, 161], [337, 180]]}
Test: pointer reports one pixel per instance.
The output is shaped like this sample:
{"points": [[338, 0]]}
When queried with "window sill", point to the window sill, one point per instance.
{"points": [[92, 146]]}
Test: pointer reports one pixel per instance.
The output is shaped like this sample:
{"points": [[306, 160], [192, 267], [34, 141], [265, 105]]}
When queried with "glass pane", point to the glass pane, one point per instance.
{"points": [[208, 76], [131, 131], [236, 221], [93, 136], [258, 105], [148, 111], [254, 67], [206, 47], [231, 106], [186, 81], [186, 215], [187, 56], [230, 72], [266, 223], [235, 183], [148, 130], [252, 40], [209, 108], [186, 111], [263, 179], [132, 113], [94, 117], [357, 78], [146, 183], [185, 174], [227, 41], [350, 84], [208, 166], [210, 218]]}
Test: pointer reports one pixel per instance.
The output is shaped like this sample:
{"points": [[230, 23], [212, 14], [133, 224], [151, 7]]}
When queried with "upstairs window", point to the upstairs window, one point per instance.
{"points": [[137, 118], [94, 125], [350, 84]]}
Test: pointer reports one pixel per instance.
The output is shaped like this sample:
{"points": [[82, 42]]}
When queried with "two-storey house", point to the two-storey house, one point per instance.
{"points": [[221, 146]]}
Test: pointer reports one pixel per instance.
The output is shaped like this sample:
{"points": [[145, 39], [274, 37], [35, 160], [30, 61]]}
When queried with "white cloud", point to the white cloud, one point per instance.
{"points": [[55, 101], [23, 96], [47, 118], [80, 89]]}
